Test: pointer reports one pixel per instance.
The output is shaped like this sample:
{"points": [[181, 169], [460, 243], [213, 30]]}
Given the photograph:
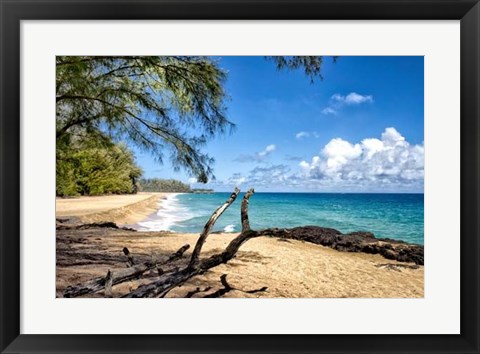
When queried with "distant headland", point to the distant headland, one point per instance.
{"points": [[159, 185]]}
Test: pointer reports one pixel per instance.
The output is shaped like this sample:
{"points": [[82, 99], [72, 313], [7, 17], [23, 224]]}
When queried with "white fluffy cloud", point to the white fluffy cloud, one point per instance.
{"points": [[385, 164], [329, 110], [337, 101], [389, 161], [301, 135], [276, 176], [268, 150], [352, 98]]}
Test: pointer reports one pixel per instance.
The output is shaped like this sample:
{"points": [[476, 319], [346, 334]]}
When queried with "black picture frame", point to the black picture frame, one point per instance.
{"points": [[14, 11]]}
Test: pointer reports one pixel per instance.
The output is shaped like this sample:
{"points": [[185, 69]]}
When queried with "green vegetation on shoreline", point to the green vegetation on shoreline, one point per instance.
{"points": [[163, 185], [92, 168], [168, 186], [202, 190]]}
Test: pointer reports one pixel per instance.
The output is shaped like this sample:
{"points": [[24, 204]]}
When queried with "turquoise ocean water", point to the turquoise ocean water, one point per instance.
{"points": [[398, 216]]}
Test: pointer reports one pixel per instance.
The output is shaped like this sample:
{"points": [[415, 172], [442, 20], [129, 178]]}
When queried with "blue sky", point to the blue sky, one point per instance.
{"points": [[361, 129]]}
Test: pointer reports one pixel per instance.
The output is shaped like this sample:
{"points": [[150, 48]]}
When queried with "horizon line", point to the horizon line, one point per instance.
{"points": [[229, 191]]}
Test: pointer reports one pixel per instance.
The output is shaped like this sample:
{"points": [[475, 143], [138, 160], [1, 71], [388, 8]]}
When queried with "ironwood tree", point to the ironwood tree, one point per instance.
{"points": [[165, 105]]}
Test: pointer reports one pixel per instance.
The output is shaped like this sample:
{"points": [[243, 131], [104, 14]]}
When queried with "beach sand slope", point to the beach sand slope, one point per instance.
{"points": [[120, 209], [287, 268]]}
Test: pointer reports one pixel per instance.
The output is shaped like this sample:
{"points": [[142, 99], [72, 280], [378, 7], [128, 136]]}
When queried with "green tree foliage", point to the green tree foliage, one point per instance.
{"points": [[311, 65], [163, 185], [160, 104], [90, 168]]}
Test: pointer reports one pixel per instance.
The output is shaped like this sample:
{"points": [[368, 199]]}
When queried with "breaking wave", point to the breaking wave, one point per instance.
{"points": [[170, 214]]}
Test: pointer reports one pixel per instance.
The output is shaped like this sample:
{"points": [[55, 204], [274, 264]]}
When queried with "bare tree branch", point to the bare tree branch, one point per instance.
{"points": [[165, 284], [166, 281], [127, 253], [108, 284], [208, 226], [244, 210], [120, 276]]}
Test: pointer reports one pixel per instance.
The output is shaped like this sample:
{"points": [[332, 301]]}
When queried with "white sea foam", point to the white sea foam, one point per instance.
{"points": [[171, 213], [229, 228]]}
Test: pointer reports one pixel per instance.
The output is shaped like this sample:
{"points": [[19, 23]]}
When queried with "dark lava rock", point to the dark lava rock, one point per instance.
{"points": [[72, 224], [359, 241]]}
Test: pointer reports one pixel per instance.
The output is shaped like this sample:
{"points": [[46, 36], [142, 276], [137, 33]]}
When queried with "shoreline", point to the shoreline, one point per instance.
{"points": [[190, 212], [162, 218], [144, 206], [120, 209]]}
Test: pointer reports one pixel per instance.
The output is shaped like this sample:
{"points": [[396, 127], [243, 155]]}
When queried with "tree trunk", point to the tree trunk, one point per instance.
{"points": [[244, 210], [208, 226]]}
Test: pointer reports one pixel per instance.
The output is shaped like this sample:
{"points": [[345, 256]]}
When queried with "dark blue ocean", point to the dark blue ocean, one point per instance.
{"points": [[398, 216]]}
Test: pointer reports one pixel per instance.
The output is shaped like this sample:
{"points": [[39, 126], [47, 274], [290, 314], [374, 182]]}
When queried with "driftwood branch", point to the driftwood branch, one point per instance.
{"points": [[120, 276], [168, 280], [108, 284], [208, 226], [244, 210], [130, 262], [235, 244], [164, 284]]}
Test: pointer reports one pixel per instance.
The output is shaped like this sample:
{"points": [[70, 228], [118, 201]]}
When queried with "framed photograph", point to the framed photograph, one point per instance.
{"points": [[236, 176]]}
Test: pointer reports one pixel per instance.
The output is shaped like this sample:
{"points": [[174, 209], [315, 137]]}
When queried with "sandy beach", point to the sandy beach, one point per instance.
{"points": [[120, 209], [286, 268]]}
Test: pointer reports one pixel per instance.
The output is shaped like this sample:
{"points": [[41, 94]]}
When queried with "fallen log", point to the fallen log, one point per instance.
{"points": [[120, 276], [108, 284], [130, 262], [165, 284]]}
